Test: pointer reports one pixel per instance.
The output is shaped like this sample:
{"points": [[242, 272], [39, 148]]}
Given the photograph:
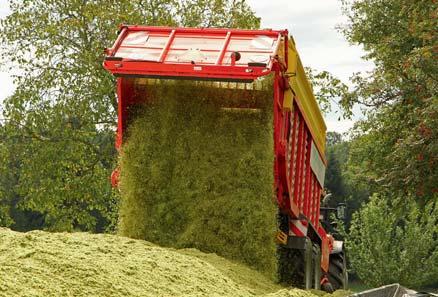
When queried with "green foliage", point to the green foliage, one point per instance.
{"points": [[194, 174], [388, 246], [327, 88], [334, 180], [5, 179], [333, 138], [392, 152], [70, 189], [336, 157], [394, 149], [57, 138], [340, 180]]}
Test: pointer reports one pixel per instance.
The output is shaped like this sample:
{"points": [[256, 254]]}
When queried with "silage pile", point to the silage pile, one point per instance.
{"points": [[79, 264], [196, 171]]}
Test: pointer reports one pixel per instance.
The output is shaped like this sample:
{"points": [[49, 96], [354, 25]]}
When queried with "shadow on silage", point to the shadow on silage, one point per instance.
{"points": [[196, 175]]}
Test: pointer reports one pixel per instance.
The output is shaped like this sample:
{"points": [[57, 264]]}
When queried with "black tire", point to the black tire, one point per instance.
{"points": [[327, 287], [338, 276], [290, 268]]}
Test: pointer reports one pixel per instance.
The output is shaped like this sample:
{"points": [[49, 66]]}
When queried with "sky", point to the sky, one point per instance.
{"points": [[312, 24]]}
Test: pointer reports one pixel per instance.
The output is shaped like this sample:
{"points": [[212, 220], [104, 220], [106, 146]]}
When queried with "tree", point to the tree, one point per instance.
{"points": [[334, 180], [387, 246], [333, 138], [6, 181], [393, 151], [395, 148], [59, 123]]}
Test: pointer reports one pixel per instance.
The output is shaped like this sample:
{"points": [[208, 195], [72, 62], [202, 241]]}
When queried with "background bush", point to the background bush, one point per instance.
{"points": [[392, 246]]}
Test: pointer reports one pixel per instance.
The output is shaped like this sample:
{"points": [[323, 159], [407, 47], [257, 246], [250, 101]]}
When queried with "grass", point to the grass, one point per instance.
{"points": [[358, 286]]}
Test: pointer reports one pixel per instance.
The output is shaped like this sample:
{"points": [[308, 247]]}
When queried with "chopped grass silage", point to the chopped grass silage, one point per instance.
{"points": [[46, 264], [39, 263], [196, 173]]}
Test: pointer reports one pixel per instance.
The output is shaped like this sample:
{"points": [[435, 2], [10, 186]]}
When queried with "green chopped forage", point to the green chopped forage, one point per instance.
{"points": [[197, 171], [47, 264]]}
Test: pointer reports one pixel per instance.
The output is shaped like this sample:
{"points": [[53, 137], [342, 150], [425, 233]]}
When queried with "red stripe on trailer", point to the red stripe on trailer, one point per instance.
{"points": [[294, 231], [298, 227]]}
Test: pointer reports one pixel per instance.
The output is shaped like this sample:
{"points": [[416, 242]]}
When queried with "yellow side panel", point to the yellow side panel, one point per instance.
{"points": [[305, 99], [288, 100]]}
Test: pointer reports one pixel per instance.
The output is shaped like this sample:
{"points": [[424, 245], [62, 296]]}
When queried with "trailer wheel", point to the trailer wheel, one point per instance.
{"points": [[338, 275], [290, 262], [327, 287], [291, 267]]}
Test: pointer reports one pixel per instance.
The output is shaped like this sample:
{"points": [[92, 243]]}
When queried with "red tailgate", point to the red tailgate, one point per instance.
{"points": [[205, 53]]}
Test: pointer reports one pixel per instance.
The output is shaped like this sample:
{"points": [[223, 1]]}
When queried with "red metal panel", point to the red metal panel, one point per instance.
{"points": [[308, 196], [298, 171], [318, 202], [293, 154], [281, 185], [312, 198], [192, 52], [315, 202], [302, 185], [125, 93], [325, 254], [303, 164]]}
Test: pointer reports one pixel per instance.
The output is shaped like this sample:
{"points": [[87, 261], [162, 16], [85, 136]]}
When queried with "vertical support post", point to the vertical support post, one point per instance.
{"points": [[308, 264], [278, 159], [317, 267], [125, 97], [120, 113]]}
